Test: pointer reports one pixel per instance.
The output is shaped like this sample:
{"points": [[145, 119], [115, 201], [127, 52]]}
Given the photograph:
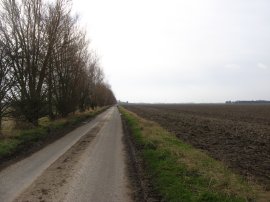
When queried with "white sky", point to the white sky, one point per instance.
{"points": [[181, 51]]}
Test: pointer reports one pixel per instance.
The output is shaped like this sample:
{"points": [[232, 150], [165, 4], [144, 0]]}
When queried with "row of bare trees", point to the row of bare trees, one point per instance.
{"points": [[46, 67]]}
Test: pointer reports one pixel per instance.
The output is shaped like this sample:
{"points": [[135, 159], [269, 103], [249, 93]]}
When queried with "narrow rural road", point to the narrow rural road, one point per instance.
{"points": [[88, 164]]}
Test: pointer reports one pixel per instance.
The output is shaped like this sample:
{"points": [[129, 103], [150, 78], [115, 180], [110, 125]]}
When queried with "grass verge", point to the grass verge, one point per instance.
{"points": [[179, 172], [25, 140]]}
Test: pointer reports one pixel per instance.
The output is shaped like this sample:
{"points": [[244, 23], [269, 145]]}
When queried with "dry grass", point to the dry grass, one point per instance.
{"points": [[8, 128], [21, 136], [11, 128]]}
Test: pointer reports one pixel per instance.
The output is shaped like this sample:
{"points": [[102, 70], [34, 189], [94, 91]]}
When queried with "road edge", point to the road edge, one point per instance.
{"points": [[143, 191]]}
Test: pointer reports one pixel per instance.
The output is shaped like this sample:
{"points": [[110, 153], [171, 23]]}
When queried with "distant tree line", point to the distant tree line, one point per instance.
{"points": [[248, 102], [46, 67]]}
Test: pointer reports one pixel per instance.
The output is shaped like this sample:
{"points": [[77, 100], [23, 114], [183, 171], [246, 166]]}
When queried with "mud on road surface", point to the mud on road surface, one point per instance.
{"points": [[52, 184], [238, 135]]}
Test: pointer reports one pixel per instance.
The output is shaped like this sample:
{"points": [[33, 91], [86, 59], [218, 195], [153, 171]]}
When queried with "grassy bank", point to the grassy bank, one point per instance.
{"points": [[178, 172], [26, 139]]}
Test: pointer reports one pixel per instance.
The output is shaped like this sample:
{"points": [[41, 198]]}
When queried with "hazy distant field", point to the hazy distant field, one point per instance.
{"points": [[239, 135]]}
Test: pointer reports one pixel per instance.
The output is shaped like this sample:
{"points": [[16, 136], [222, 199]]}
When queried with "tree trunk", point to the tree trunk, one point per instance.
{"points": [[1, 126], [51, 115]]}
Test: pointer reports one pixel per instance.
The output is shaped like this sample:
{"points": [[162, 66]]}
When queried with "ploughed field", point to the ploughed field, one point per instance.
{"points": [[238, 135]]}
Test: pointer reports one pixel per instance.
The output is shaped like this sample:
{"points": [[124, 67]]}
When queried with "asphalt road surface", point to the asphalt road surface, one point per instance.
{"points": [[88, 164]]}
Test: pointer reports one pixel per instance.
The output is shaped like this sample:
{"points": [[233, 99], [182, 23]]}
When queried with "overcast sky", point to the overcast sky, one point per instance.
{"points": [[181, 51]]}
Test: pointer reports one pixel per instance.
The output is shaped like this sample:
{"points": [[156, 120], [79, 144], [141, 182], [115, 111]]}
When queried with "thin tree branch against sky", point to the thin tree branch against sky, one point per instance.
{"points": [[182, 51]]}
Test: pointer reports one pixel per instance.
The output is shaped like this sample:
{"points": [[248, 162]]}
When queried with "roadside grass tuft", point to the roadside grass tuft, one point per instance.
{"points": [[8, 146], [179, 172], [25, 139]]}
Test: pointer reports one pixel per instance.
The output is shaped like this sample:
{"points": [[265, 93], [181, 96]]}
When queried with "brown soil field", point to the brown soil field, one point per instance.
{"points": [[238, 135]]}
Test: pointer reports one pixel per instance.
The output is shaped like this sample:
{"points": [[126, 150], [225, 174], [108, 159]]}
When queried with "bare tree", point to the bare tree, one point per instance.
{"points": [[69, 61], [58, 13], [30, 42], [6, 83]]}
